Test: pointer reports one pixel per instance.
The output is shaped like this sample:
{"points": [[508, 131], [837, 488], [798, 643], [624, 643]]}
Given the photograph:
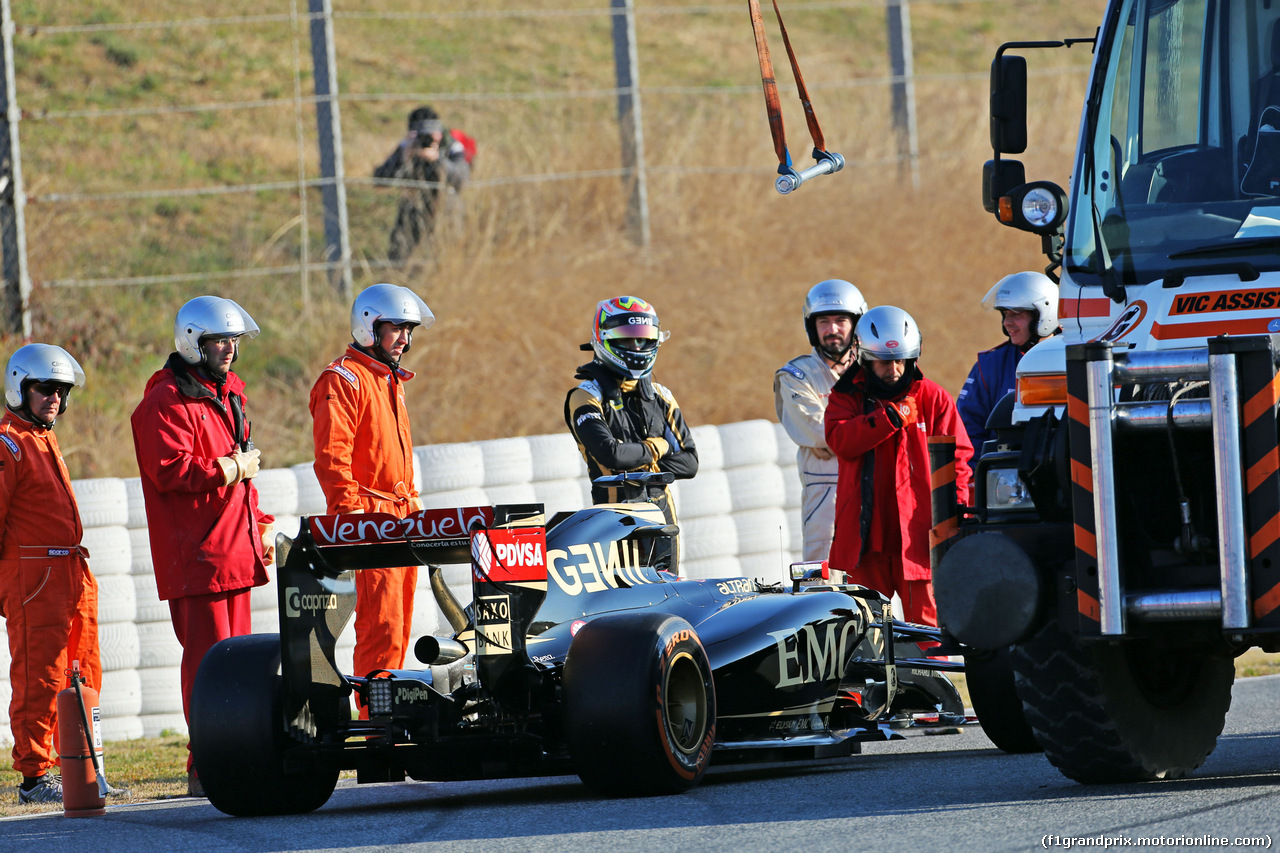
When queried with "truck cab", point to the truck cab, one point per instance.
{"points": [[1125, 542]]}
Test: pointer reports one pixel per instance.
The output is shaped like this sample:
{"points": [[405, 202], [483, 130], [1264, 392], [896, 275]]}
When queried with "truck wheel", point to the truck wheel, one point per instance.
{"points": [[1122, 712], [237, 736], [640, 704], [989, 677]]}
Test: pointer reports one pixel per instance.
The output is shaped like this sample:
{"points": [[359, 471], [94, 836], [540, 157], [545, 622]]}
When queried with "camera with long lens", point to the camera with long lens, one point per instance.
{"points": [[426, 140]]}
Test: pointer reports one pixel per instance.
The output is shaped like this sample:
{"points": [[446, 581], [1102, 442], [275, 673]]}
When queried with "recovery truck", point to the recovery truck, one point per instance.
{"points": [[1124, 545]]}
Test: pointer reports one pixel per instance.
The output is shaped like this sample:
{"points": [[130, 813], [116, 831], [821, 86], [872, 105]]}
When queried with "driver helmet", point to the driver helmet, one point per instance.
{"points": [[39, 363], [209, 316], [387, 303], [887, 333], [833, 296], [625, 336], [1027, 291]]}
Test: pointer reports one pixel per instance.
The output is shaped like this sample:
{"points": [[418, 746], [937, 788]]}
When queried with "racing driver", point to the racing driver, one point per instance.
{"points": [[622, 419]]}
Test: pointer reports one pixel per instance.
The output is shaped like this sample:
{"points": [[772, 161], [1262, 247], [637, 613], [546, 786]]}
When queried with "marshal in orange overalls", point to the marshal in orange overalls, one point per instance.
{"points": [[48, 596]]}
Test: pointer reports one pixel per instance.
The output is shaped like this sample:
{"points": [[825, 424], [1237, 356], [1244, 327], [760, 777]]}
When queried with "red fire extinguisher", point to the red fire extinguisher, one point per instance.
{"points": [[84, 784]]}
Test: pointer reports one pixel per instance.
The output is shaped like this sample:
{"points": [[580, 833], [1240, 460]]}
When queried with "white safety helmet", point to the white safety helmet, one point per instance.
{"points": [[833, 296], [39, 363], [1027, 291], [386, 303], [209, 316], [886, 333]]}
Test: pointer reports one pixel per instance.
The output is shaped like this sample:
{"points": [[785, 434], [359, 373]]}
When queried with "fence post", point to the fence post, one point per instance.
{"points": [[630, 125], [13, 199], [337, 238], [903, 87]]}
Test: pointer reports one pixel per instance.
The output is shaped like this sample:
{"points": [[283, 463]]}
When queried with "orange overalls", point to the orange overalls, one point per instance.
{"points": [[47, 594], [364, 462]]}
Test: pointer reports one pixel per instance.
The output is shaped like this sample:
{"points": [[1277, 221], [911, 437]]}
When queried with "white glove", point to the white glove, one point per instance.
{"points": [[248, 461], [238, 466]]}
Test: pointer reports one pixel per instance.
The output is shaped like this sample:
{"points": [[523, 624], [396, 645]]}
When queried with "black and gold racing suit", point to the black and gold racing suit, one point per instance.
{"points": [[629, 425]]}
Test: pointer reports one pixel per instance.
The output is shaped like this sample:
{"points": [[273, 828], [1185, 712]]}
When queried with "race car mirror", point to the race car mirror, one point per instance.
{"points": [[809, 571]]}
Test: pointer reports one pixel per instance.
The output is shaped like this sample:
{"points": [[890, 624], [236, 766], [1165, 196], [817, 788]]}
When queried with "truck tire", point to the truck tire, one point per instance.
{"points": [[237, 738], [640, 705], [989, 677], [1129, 711]]}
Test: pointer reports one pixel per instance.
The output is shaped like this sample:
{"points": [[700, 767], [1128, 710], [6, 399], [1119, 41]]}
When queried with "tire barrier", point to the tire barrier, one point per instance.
{"points": [[739, 517]]}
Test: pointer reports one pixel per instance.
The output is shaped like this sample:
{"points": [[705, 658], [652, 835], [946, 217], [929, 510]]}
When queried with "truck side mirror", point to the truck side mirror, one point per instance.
{"points": [[998, 177], [1008, 104]]}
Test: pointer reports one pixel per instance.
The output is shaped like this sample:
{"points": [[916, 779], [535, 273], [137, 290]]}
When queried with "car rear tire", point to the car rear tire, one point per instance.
{"points": [[237, 737], [1130, 711], [989, 677], [640, 704]]}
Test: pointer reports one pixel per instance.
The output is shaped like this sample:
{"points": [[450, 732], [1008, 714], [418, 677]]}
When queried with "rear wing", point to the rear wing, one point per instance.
{"points": [[377, 540], [317, 590]]}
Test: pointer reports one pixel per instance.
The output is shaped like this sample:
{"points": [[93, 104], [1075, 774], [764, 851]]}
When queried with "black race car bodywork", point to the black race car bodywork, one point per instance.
{"points": [[580, 653]]}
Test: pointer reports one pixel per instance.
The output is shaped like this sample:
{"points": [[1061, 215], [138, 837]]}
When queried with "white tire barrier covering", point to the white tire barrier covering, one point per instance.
{"points": [[762, 531], [121, 728], [110, 550], [556, 457], [137, 509], [117, 600], [266, 621], [756, 487], [310, 497], [121, 694], [560, 495], [102, 503], [710, 455], [264, 597], [461, 497], [277, 491], [158, 646], [748, 443], [704, 495], [450, 467], [795, 525], [769, 568], [140, 552], [161, 690], [149, 606], [507, 462], [793, 489], [517, 493], [711, 568], [163, 725], [786, 447], [708, 537], [118, 646]]}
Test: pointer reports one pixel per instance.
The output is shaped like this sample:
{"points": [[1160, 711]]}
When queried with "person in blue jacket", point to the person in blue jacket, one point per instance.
{"points": [[1028, 306]]}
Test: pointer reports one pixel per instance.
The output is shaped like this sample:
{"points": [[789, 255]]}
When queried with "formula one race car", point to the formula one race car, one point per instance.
{"points": [[581, 652]]}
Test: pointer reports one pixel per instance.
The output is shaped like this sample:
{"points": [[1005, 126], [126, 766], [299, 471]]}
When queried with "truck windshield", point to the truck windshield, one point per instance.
{"points": [[1181, 151]]}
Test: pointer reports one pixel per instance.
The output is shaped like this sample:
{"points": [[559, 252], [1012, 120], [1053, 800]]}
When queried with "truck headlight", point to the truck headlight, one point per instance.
{"points": [[1006, 491]]}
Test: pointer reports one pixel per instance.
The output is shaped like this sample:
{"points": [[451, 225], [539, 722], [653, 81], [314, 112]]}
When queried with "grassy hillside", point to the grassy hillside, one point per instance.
{"points": [[514, 284]]}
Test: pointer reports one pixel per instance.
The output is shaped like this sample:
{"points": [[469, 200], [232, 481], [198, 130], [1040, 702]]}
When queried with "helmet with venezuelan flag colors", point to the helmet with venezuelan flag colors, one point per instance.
{"points": [[625, 336]]}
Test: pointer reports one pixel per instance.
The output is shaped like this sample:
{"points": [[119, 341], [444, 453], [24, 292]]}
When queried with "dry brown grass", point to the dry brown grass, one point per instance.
{"points": [[728, 265]]}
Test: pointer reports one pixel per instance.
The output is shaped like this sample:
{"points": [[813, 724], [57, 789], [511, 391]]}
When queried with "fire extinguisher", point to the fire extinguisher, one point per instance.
{"points": [[84, 784]]}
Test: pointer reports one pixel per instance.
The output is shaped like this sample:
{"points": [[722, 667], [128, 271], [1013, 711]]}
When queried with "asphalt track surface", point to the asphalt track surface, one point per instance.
{"points": [[945, 793]]}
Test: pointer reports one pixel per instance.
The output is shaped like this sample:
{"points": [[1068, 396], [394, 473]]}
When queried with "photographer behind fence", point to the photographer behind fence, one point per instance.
{"points": [[437, 157]]}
